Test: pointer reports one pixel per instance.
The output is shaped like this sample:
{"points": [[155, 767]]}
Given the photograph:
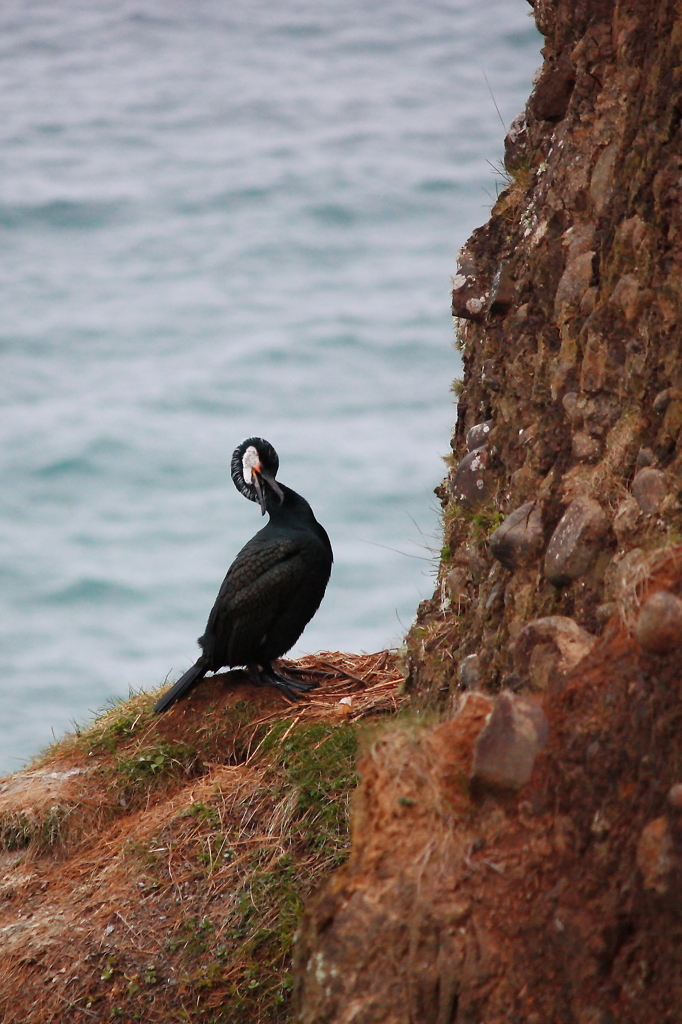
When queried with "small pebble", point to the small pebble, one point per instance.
{"points": [[457, 583], [469, 486], [655, 856], [664, 398], [584, 448], [510, 741], [503, 290], [478, 435], [659, 624], [649, 488], [489, 375], [645, 457], [576, 541], [548, 646], [520, 538], [470, 672], [675, 796]]}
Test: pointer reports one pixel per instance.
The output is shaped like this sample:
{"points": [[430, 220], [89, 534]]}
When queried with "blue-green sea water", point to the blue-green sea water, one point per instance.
{"points": [[221, 220]]}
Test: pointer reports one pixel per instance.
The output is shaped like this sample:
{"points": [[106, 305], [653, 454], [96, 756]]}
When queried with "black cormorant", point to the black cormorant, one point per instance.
{"points": [[272, 589]]}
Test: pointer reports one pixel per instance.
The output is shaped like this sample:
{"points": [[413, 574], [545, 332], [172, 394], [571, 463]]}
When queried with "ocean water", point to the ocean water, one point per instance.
{"points": [[221, 220]]}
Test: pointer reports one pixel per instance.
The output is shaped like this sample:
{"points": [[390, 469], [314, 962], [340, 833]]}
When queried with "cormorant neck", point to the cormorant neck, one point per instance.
{"points": [[293, 506]]}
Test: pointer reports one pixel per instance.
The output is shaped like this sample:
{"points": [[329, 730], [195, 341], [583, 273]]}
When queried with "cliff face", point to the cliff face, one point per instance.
{"points": [[571, 295], [473, 894]]}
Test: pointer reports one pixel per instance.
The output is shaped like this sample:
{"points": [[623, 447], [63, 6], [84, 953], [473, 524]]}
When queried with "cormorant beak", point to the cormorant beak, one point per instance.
{"points": [[269, 479]]}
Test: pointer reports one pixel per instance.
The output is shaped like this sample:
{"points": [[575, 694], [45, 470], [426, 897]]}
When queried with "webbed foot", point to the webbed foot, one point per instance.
{"points": [[266, 675]]}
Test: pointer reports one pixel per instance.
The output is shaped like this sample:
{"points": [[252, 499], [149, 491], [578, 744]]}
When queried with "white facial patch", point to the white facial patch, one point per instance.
{"points": [[250, 461]]}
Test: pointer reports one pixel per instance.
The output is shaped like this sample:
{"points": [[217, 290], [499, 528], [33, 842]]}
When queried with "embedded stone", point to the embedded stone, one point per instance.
{"points": [[675, 796], [626, 519], [573, 407], [623, 572], [589, 300], [548, 646], [503, 290], [604, 612], [495, 597], [602, 181], [631, 297], [469, 487], [478, 435], [655, 856], [489, 375], [649, 488], [645, 457], [576, 541], [574, 282], [584, 448], [515, 142], [469, 298], [476, 564], [470, 674], [552, 94], [658, 629], [664, 398], [519, 539], [456, 581], [508, 744]]}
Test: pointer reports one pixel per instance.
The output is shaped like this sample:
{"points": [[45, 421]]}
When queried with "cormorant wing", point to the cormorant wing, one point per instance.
{"points": [[260, 584]]}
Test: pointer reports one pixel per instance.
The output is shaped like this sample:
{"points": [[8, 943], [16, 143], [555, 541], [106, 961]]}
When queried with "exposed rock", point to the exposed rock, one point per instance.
{"points": [[574, 282], [478, 435], [489, 376], [669, 432], [507, 746], [469, 487], [520, 538], [552, 94], [503, 290], [548, 646], [515, 142], [655, 856], [630, 296], [605, 611], [573, 407], [470, 674], [576, 541], [623, 572], [602, 181], [585, 448], [675, 796], [626, 519], [495, 599], [476, 564], [469, 297], [456, 581], [659, 624], [664, 398], [646, 457], [649, 488]]}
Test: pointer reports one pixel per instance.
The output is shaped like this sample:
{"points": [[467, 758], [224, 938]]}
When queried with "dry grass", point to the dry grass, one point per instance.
{"points": [[184, 846]]}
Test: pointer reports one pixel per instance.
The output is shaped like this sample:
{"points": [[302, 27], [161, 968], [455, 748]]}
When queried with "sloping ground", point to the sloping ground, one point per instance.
{"points": [[562, 903], [154, 868]]}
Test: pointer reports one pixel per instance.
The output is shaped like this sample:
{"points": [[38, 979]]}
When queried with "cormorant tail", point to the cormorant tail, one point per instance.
{"points": [[184, 683]]}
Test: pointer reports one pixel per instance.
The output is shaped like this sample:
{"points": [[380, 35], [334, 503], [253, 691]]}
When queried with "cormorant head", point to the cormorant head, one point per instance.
{"points": [[254, 467]]}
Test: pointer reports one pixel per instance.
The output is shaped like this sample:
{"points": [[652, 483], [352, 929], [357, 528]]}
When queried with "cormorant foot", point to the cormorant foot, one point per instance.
{"points": [[268, 676]]}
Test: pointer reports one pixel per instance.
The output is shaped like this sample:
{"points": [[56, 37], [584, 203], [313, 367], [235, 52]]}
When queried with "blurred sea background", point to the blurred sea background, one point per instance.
{"points": [[219, 220]]}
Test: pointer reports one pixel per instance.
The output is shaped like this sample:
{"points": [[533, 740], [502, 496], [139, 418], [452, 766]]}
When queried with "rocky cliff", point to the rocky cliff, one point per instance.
{"points": [[516, 850], [521, 860]]}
